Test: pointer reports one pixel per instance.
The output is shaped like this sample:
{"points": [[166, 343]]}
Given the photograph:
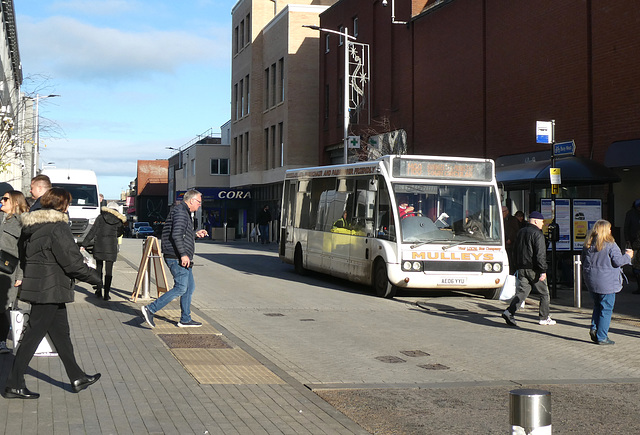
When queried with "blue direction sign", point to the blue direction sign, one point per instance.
{"points": [[564, 148]]}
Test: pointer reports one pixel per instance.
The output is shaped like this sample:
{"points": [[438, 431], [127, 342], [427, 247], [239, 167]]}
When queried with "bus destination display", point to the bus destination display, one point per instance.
{"points": [[477, 171]]}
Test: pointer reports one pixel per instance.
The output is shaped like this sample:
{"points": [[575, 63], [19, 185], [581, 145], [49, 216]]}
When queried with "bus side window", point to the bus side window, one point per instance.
{"points": [[364, 211], [385, 223], [303, 204]]}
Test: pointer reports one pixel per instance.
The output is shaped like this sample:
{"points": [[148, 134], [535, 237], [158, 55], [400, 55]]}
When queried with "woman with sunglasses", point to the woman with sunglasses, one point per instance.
{"points": [[13, 205], [52, 263]]}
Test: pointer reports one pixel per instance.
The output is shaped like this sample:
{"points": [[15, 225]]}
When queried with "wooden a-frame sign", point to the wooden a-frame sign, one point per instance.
{"points": [[151, 253]]}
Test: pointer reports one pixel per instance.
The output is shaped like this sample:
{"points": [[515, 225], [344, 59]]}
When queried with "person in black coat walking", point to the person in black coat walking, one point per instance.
{"points": [[51, 263], [103, 235]]}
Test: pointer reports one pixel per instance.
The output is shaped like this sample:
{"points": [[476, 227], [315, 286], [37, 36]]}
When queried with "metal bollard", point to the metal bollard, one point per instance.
{"points": [[577, 281], [530, 412], [225, 232]]}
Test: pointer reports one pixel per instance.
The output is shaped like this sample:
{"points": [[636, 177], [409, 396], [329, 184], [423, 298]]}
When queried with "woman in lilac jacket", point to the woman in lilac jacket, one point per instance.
{"points": [[602, 263]]}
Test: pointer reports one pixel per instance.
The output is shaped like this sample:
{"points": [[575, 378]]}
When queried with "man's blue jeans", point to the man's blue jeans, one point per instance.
{"points": [[602, 310], [183, 287]]}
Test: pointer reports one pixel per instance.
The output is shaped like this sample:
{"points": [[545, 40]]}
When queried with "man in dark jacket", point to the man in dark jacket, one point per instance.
{"points": [[264, 219], [178, 247], [531, 264], [40, 184]]}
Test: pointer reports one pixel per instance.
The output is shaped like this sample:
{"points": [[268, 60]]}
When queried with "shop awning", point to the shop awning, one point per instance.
{"points": [[574, 171], [623, 154]]}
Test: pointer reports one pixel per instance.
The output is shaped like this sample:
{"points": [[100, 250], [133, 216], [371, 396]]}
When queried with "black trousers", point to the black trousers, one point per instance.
{"points": [[43, 319], [108, 269]]}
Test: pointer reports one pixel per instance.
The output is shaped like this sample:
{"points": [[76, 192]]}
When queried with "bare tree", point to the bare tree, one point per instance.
{"points": [[381, 139]]}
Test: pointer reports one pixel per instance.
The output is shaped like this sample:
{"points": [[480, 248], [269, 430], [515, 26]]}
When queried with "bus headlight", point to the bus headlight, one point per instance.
{"points": [[412, 266], [492, 267]]}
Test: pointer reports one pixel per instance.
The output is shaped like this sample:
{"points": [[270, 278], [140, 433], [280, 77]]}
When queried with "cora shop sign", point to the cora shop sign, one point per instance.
{"points": [[216, 194], [234, 194]]}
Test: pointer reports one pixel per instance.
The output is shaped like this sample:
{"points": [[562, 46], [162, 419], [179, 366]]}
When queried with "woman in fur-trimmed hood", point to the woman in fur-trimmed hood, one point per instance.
{"points": [[104, 237], [51, 264]]}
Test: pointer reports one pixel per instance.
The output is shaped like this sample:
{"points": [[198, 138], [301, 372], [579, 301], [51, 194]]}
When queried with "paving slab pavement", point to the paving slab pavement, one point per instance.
{"points": [[150, 385]]}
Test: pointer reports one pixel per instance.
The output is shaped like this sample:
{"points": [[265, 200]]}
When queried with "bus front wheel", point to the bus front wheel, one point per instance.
{"points": [[493, 293], [381, 283], [297, 261]]}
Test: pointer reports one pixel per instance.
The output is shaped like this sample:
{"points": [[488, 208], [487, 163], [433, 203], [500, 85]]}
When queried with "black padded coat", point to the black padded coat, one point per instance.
{"points": [[52, 260], [104, 234]]}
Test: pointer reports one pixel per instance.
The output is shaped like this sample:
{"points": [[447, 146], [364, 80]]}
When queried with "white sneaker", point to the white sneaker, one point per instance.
{"points": [[547, 321], [4, 348]]}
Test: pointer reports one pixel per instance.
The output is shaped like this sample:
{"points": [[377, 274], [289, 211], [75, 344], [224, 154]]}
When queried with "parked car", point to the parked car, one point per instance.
{"points": [[144, 231], [136, 227]]}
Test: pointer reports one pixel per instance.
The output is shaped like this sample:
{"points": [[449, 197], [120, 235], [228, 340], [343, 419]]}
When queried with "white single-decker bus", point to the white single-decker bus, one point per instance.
{"points": [[399, 222]]}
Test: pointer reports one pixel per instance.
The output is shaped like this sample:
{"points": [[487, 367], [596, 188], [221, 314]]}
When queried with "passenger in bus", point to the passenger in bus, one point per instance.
{"points": [[404, 209]]}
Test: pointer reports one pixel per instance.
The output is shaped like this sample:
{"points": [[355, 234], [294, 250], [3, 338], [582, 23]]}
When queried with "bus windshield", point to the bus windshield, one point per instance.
{"points": [[431, 213]]}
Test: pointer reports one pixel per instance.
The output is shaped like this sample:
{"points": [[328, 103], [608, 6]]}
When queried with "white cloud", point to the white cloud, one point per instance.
{"points": [[75, 50]]}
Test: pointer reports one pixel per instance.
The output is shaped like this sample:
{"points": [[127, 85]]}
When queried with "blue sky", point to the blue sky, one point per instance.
{"points": [[134, 77]]}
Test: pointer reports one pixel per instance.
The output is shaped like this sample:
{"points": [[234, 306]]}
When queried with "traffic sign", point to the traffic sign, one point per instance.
{"points": [[544, 132], [564, 148]]}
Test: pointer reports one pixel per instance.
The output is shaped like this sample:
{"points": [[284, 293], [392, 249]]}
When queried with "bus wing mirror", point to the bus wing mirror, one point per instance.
{"points": [[373, 185]]}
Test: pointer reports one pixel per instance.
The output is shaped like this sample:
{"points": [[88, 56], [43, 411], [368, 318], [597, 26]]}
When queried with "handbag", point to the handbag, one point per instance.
{"points": [[509, 289], [8, 262], [19, 321]]}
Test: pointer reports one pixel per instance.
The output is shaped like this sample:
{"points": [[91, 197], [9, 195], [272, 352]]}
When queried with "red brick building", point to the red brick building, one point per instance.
{"points": [[472, 77]]}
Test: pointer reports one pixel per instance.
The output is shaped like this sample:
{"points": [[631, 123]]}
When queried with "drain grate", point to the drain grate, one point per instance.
{"points": [[193, 341], [434, 367], [307, 320], [390, 359], [274, 314], [414, 353]]}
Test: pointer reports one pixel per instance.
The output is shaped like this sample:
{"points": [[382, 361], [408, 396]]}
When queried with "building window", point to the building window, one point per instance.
{"points": [[246, 96], [247, 151], [341, 30], [266, 89], [326, 43], [355, 26], [273, 85], [266, 148], [281, 68], [281, 134], [242, 33], [219, 166], [273, 147], [236, 115], [193, 167], [248, 28], [236, 48]]}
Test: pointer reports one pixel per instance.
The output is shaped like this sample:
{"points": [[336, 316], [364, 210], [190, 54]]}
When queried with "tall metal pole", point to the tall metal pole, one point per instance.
{"points": [[553, 214], [36, 150], [346, 97]]}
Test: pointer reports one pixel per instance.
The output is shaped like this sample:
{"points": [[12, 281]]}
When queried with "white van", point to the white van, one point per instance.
{"points": [[85, 203]]}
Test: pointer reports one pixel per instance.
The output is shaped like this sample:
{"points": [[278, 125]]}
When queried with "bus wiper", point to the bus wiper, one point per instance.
{"points": [[475, 242], [424, 242]]}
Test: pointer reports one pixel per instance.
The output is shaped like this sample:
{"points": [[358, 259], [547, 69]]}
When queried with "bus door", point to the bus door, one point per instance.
{"points": [[362, 228]]}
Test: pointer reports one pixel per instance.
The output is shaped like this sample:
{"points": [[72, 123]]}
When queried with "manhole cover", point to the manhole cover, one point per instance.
{"points": [[274, 314], [390, 359], [193, 341], [434, 367], [414, 353]]}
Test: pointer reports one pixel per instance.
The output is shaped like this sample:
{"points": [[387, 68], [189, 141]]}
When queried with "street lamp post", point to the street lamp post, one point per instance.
{"points": [[345, 108], [36, 150]]}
